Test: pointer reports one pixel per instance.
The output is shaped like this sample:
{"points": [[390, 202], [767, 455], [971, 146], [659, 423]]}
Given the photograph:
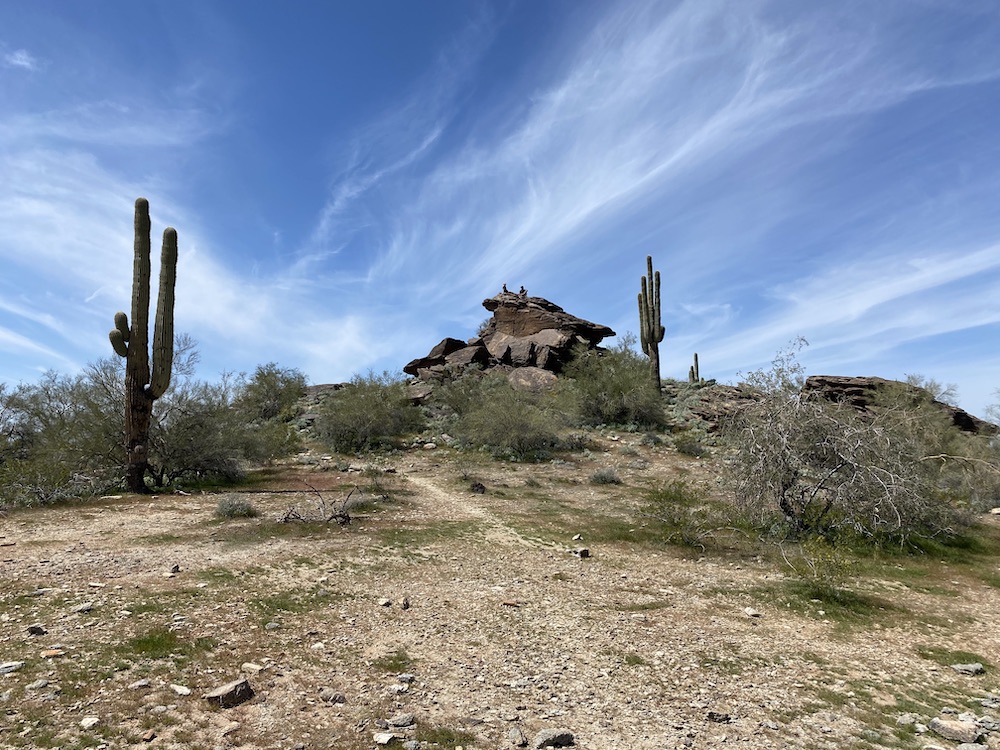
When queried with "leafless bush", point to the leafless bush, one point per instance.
{"points": [[806, 467]]}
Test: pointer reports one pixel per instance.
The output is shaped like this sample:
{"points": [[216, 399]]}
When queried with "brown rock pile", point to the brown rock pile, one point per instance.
{"points": [[524, 332], [861, 393]]}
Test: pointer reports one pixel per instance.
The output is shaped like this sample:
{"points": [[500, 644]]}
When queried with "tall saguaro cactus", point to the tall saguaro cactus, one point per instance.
{"points": [[650, 330], [143, 386]]}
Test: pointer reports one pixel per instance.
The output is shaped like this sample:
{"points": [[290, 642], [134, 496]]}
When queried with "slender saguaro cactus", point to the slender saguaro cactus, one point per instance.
{"points": [[142, 386], [650, 330], [694, 374]]}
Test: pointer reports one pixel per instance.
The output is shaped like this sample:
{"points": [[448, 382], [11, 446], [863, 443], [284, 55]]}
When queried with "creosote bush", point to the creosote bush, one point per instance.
{"points": [[372, 411], [485, 411], [614, 387]]}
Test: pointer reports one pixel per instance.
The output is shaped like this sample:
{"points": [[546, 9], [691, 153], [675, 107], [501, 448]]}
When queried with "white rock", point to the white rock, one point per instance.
{"points": [[89, 722], [751, 612], [181, 689], [384, 738]]}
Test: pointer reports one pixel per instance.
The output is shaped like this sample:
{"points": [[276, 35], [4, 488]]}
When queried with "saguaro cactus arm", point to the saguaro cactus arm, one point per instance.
{"points": [[163, 331]]}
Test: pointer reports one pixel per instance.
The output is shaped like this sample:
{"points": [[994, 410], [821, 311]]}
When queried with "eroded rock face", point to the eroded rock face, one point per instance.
{"points": [[862, 392], [525, 332]]}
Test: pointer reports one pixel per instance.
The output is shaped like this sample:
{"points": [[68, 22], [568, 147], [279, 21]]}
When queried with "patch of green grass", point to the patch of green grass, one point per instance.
{"points": [[162, 643], [444, 737], [634, 660], [397, 661], [946, 657], [838, 604], [293, 602]]}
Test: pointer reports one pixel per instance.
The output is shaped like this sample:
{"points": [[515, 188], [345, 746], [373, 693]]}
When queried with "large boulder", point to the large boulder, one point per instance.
{"points": [[524, 332]]}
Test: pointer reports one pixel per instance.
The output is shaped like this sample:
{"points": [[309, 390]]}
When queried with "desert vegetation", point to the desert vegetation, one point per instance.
{"points": [[757, 556]]}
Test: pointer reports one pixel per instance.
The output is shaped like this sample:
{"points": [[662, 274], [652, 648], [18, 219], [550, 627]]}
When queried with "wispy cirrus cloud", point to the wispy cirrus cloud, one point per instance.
{"points": [[20, 58]]}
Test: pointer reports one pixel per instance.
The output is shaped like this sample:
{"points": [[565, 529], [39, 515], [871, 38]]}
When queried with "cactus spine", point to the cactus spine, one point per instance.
{"points": [[142, 387], [650, 330]]}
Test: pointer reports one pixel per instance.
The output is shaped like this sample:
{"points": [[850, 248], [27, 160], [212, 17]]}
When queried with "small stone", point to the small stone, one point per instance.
{"points": [[329, 695], [37, 629], [384, 602], [175, 569], [36, 685], [402, 720], [406, 602], [719, 717], [972, 746], [139, 684], [553, 738], [272, 626], [230, 694], [51, 653], [149, 736], [249, 666], [430, 446], [517, 737], [411, 745], [383, 738], [89, 722], [406, 677], [751, 612], [907, 720], [181, 689], [583, 553], [969, 669], [10, 666], [577, 537], [80, 609]]}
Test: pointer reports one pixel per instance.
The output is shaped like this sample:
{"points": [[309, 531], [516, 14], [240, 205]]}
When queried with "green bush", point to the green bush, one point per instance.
{"points": [[272, 393], [371, 411], [487, 412], [614, 387], [63, 436]]}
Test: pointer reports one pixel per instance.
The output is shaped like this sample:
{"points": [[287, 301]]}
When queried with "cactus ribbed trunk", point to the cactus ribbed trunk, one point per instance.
{"points": [[132, 343], [650, 330]]}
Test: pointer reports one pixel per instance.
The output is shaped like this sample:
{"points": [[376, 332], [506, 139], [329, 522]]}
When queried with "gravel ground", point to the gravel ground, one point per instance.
{"points": [[469, 611]]}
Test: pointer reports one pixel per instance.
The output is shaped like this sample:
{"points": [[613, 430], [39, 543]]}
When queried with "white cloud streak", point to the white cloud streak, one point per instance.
{"points": [[20, 58]]}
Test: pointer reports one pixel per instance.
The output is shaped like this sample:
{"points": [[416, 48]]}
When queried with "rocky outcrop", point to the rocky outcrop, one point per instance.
{"points": [[862, 393], [524, 332]]}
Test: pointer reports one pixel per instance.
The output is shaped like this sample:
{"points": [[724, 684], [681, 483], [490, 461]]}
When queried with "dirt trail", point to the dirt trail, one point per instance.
{"points": [[639, 645]]}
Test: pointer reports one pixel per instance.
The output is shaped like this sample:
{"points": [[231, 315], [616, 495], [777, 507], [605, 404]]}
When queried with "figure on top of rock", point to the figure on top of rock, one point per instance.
{"points": [[505, 289], [523, 292]]}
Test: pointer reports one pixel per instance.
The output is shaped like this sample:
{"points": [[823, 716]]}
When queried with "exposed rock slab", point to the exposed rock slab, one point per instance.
{"points": [[862, 393], [524, 331]]}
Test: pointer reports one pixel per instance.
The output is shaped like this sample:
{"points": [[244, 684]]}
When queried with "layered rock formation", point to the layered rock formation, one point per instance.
{"points": [[861, 393], [524, 332]]}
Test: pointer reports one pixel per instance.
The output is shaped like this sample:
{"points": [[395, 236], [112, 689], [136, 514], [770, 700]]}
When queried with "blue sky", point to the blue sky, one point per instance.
{"points": [[349, 180]]}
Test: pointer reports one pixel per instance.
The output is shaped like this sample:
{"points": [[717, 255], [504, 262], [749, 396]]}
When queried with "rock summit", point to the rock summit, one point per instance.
{"points": [[523, 332]]}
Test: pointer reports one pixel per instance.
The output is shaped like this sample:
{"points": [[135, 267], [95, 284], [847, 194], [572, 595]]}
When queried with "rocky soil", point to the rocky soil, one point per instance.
{"points": [[484, 605]]}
